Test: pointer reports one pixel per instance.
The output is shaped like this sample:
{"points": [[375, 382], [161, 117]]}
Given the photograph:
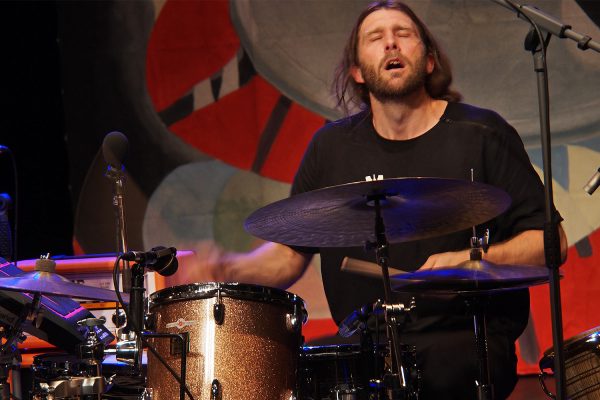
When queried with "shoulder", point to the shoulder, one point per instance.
{"points": [[343, 128], [469, 113], [476, 116]]}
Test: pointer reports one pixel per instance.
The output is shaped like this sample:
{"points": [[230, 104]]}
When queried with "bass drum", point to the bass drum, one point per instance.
{"points": [[582, 366], [243, 341]]}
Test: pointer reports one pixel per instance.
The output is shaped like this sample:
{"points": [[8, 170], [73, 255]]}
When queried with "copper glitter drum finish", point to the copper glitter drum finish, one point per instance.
{"points": [[344, 215], [582, 365], [244, 338]]}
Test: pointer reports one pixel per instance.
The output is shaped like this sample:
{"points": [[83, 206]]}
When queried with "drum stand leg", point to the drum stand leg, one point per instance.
{"points": [[477, 305]]}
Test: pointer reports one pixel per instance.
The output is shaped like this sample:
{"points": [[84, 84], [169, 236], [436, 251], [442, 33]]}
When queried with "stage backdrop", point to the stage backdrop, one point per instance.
{"points": [[219, 100]]}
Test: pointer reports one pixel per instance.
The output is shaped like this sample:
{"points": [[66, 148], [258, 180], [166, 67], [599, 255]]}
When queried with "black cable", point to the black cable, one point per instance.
{"points": [[138, 332]]}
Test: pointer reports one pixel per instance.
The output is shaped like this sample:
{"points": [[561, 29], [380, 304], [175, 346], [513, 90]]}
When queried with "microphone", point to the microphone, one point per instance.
{"points": [[114, 149], [159, 259], [355, 321], [593, 183]]}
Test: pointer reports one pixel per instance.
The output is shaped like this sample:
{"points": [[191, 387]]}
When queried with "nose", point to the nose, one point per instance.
{"points": [[391, 42]]}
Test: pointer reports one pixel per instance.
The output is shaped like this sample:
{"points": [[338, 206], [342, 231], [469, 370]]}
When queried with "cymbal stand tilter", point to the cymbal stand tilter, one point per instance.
{"points": [[397, 383], [12, 335]]}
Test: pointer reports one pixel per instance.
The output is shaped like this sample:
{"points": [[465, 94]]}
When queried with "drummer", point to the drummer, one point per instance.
{"points": [[413, 124]]}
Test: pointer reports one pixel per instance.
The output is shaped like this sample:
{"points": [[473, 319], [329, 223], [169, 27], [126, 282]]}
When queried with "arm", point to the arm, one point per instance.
{"points": [[271, 264], [525, 248]]}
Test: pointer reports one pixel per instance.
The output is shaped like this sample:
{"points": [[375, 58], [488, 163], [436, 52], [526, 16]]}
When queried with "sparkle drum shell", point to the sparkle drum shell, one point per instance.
{"points": [[243, 341], [582, 365]]}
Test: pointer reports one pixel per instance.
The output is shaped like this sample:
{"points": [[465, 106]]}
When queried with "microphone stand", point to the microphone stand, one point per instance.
{"points": [[537, 44], [117, 176]]}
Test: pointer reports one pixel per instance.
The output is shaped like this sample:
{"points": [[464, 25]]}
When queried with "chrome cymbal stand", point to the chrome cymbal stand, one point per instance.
{"points": [[397, 383]]}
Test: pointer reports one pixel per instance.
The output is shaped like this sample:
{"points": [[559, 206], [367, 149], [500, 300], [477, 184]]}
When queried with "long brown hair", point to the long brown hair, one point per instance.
{"points": [[437, 84]]}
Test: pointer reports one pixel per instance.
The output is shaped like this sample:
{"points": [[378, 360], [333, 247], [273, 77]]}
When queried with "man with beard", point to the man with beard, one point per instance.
{"points": [[412, 125]]}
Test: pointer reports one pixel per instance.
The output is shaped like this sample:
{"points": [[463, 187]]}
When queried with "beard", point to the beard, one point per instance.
{"points": [[384, 90]]}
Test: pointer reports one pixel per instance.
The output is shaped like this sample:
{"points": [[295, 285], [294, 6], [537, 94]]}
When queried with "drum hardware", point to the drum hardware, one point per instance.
{"points": [[67, 377], [219, 309], [215, 390], [92, 350], [129, 348], [294, 321], [61, 376], [398, 385]]}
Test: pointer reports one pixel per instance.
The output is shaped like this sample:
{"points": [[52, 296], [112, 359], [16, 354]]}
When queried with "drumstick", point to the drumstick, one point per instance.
{"points": [[366, 268]]}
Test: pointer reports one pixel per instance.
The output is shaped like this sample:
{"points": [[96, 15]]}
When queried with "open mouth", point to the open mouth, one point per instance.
{"points": [[394, 63]]}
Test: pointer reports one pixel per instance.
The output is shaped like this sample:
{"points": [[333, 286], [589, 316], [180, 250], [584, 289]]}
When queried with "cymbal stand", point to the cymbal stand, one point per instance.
{"points": [[9, 352], [398, 375], [477, 303], [543, 27]]}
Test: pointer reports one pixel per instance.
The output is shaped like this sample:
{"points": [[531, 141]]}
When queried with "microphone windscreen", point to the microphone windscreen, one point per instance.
{"points": [[114, 148]]}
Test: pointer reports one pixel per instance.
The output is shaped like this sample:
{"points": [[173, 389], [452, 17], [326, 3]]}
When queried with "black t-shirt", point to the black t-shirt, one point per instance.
{"points": [[465, 138]]}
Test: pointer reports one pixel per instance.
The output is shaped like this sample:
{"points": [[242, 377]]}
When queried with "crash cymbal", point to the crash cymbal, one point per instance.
{"points": [[471, 276], [344, 215], [53, 284], [44, 281]]}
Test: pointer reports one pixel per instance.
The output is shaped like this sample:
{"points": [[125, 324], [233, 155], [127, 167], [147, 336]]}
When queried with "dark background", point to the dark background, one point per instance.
{"points": [[32, 126]]}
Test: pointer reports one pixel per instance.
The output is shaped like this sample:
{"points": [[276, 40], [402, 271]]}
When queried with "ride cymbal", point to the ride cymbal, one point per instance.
{"points": [[344, 215]]}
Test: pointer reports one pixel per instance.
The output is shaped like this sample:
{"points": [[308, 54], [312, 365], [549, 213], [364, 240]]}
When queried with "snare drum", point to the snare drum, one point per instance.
{"points": [[582, 365], [243, 341], [348, 372]]}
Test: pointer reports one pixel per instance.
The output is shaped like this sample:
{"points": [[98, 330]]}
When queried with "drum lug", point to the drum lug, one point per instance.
{"points": [[150, 321], [219, 310], [215, 390], [294, 321]]}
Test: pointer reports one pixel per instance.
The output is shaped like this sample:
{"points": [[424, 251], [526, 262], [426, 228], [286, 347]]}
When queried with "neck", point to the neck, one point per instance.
{"points": [[408, 117]]}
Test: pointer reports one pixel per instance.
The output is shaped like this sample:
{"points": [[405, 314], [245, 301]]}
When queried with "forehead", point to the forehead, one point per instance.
{"points": [[386, 18]]}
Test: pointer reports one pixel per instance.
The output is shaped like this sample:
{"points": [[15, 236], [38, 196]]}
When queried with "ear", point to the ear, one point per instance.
{"points": [[356, 74], [430, 63]]}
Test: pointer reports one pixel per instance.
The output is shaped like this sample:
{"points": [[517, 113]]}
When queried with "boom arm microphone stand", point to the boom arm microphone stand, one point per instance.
{"points": [[537, 44], [114, 149]]}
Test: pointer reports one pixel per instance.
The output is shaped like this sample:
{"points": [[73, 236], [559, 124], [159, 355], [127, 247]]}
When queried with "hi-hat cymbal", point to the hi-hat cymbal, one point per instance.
{"points": [[344, 215], [49, 283], [471, 276]]}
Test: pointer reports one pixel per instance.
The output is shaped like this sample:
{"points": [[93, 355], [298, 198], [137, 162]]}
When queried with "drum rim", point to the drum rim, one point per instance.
{"points": [[341, 350], [235, 290], [576, 344]]}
